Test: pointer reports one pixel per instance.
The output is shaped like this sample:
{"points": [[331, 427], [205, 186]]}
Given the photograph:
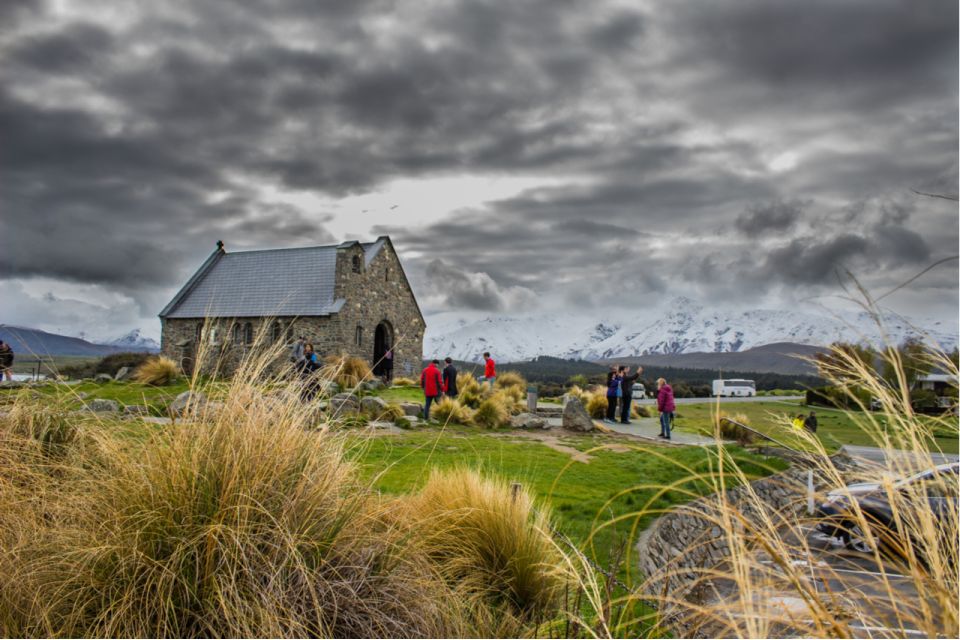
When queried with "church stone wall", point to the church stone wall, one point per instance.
{"points": [[379, 293]]}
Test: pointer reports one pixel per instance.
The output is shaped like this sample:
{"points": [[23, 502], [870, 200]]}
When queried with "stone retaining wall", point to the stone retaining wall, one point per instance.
{"points": [[677, 549]]}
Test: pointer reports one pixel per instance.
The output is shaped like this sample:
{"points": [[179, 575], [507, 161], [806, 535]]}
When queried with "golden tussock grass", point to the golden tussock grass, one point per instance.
{"points": [[402, 381], [157, 371], [596, 405], [492, 412], [511, 380], [346, 371], [491, 543], [450, 411]]}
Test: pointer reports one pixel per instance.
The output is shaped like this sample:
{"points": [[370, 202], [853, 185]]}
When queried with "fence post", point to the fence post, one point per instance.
{"points": [[532, 398], [810, 492], [515, 490]]}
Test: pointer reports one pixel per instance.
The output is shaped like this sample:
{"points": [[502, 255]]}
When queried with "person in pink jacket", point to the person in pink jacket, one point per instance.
{"points": [[666, 406]]}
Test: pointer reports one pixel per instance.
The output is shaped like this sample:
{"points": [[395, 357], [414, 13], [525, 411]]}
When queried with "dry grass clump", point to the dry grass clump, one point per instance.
{"points": [[451, 411], [731, 431], [511, 380], [346, 371], [157, 371], [596, 405], [49, 425], [638, 411], [236, 527], [402, 381], [490, 543], [492, 413], [469, 390], [391, 413]]}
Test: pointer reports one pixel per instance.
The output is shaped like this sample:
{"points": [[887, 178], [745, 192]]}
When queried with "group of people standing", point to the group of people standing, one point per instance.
{"points": [[6, 361], [436, 383], [620, 394]]}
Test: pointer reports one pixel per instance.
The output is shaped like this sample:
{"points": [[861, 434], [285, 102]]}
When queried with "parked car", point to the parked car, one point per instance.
{"points": [[939, 486], [639, 391]]}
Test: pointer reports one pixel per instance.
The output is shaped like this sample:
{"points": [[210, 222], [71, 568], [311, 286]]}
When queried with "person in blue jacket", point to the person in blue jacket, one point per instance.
{"points": [[613, 393]]}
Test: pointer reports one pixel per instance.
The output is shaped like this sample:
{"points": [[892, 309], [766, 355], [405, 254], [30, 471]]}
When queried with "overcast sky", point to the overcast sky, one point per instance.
{"points": [[522, 155]]}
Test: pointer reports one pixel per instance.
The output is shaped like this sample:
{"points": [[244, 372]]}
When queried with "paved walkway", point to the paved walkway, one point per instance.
{"points": [[648, 428], [877, 455]]}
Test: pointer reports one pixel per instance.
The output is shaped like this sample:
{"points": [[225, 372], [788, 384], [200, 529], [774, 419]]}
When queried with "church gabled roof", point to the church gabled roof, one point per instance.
{"points": [[264, 283]]}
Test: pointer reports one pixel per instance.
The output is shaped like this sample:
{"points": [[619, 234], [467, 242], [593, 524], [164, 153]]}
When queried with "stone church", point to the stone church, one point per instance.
{"points": [[352, 299]]}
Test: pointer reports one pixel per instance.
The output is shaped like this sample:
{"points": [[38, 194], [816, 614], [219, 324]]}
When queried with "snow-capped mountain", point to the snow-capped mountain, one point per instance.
{"points": [[680, 326], [135, 340]]}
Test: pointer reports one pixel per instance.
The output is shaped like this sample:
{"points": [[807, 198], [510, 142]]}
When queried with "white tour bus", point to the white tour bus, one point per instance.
{"points": [[734, 387]]}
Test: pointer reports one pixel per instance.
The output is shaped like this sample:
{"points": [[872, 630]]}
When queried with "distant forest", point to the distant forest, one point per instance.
{"points": [[554, 375]]}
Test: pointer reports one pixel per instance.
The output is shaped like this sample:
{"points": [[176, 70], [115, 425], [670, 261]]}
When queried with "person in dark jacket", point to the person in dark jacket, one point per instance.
{"points": [[626, 396], [6, 361], [810, 422], [666, 406], [613, 394], [308, 366], [431, 381], [449, 378]]}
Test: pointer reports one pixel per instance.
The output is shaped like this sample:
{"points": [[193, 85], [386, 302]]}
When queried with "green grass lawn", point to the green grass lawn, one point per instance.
{"points": [[836, 427], [126, 393], [615, 482]]}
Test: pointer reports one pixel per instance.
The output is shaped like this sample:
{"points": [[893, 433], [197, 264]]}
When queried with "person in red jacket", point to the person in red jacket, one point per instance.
{"points": [[489, 369], [666, 406], [431, 381]]}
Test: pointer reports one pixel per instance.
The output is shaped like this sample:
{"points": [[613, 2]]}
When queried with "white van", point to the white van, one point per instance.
{"points": [[734, 387]]}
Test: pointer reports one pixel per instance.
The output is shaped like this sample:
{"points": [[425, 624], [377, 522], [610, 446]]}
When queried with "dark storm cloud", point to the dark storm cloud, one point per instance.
{"points": [[131, 144], [868, 53], [76, 45], [760, 219]]}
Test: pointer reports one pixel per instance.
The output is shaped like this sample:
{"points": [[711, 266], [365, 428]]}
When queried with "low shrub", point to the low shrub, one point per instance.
{"points": [[512, 399], [491, 413], [49, 425], [346, 371], [731, 431], [235, 527], [638, 411], [403, 422], [511, 380], [391, 412], [490, 542], [449, 410], [405, 382], [470, 393], [596, 405], [156, 371]]}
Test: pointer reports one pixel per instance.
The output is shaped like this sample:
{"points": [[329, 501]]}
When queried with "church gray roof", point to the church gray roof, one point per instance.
{"points": [[272, 282]]}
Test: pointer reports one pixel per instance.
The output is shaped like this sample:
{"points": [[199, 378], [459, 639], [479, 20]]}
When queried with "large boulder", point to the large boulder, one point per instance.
{"points": [[188, 400], [102, 378], [344, 403], [123, 374], [413, 409], [373, 405], [575, 417], [136, 410], [103, 405], [528, 421]]}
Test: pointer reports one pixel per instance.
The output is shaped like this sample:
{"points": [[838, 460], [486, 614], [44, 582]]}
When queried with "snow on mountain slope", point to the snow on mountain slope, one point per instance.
{"points": [[135, 340], [681, 326]]}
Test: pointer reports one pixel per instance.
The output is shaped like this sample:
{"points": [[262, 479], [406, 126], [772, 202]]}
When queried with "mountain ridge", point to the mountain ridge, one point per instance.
{"points": [[679, 326]]}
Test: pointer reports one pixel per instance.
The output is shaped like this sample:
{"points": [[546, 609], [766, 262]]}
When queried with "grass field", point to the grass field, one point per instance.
{"points": [[836, 427], [618, 478]]}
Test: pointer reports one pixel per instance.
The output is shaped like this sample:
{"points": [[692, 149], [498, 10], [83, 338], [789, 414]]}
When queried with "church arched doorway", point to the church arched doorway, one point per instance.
{"points": [[382, 343]]}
